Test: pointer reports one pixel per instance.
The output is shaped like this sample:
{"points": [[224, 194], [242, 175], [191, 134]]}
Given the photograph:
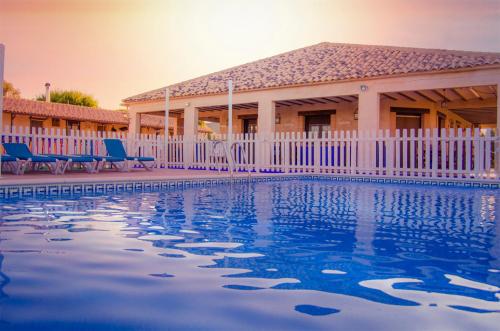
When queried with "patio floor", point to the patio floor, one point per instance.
{"points": [[107, 176]]}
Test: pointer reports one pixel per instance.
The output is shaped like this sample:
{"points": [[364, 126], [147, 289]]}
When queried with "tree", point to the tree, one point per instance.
{"points": [[10, 91], [71, 97]]}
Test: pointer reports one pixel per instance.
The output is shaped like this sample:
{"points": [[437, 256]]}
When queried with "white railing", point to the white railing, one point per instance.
{"points": [[457, 154]]}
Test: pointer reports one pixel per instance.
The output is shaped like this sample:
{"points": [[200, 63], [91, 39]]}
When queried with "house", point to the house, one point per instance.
{"points": [[40, 114], [335, 87]]}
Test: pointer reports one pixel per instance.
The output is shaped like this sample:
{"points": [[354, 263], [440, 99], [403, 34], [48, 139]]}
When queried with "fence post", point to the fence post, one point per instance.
{"points": [[316, 146]]}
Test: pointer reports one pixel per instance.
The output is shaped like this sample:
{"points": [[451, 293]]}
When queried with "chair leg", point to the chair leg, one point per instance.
{"points": [[64, 166], [21, 168], [90, 167], [124, 167], [148, 168], [52, 169]]}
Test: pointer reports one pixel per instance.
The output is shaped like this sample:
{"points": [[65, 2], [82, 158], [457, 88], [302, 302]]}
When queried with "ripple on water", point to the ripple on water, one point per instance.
{"points": [[296, 255], [227, 245], [154, 237]]}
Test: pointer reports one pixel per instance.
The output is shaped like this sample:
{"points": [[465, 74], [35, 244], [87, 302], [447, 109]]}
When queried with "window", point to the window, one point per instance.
{"points": [[317, 123], [441, 122], [72, 125], [408, 122], [100, 128], [36, 123], [409, 118], [250, 125], [56, 122]]}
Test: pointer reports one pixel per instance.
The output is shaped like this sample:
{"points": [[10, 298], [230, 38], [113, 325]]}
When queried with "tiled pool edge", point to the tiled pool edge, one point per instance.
{"points": [[54, 189]]}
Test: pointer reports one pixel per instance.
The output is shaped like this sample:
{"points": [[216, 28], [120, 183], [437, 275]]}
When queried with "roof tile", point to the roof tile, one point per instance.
{"points": [[78, 113], [325, 62]]}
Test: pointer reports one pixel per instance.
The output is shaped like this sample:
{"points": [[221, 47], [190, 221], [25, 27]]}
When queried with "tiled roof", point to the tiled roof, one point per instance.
{"points": [[78, 113], [325, 62]]}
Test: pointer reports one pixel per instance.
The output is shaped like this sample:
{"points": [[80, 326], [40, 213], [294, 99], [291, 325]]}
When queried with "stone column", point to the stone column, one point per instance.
{"points": [[265, 128], [266, 118], [190, 133], [369, 110], [134, 126], [134, 130], [368, 122]]}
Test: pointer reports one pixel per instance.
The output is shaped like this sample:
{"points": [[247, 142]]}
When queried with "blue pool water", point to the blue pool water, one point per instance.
{"points": [[297, 255]]}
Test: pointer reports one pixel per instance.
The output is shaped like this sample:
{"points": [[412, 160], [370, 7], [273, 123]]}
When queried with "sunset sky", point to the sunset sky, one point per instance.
{"points": [[116, 48]]}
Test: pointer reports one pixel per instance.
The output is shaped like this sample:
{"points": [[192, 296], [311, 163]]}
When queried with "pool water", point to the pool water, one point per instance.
{"points": [[296, 255]]}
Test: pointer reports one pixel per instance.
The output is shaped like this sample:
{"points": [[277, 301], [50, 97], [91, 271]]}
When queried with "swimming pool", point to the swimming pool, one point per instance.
{"points": [[288, 255]]}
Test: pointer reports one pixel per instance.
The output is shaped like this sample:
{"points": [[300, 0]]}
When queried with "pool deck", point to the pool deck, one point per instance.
{"points": [[111, 176]]}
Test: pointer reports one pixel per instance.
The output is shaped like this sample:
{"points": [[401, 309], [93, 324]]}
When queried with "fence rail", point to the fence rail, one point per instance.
{"points": [[458, 154]]}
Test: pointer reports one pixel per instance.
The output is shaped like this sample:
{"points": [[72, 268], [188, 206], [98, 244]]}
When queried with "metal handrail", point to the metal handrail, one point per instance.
{"points": [[244, 153], [225, 153], [222, 146]]}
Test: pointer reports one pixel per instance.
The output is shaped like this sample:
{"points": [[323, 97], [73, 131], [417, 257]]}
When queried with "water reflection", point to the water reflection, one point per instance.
{"points": [[398, 245]]}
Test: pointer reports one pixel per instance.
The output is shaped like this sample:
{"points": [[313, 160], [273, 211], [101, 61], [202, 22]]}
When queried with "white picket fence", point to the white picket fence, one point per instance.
{"points": [[58, 141], [457, 154]]}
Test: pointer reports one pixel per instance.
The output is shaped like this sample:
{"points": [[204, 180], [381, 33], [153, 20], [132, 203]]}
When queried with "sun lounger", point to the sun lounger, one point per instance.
{"points": [[102, 160], [13, 164], [115, 148], [89, 162], [23, 153]]}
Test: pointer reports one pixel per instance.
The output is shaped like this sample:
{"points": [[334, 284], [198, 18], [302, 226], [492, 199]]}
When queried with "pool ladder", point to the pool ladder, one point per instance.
{"points": [[221, 153]]}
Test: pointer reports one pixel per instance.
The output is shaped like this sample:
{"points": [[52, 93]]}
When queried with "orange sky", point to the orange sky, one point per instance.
{"points": [[116, 48]]}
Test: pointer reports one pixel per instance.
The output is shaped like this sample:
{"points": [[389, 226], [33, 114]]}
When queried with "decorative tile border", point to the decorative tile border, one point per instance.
{"points": [[33, 190]]}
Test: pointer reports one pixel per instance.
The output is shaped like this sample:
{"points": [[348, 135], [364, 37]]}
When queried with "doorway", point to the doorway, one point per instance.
{"points": [[408, 122], [317, 123], [250, 125]]}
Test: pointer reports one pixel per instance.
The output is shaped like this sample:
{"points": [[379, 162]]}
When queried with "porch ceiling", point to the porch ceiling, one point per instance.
{"points": [[239, 106], [287, 103], [447, 94], [487, 115], [316, 101]]}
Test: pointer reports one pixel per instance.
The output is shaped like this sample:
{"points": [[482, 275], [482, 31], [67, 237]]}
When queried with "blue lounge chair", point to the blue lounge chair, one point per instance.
{"points": [[13, 164], [89, 162], [101, 160], [115, 148], [22, 152]]}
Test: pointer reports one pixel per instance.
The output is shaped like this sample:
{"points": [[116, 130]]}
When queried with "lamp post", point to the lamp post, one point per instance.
{"points": [[167, 112], [229, 113]]}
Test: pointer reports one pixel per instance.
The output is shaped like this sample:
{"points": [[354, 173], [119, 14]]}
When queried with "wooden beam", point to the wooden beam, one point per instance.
{"points": [[295, 103], [493, 89], [247, 117], [317, 112], [305, 102], [330, 100], [476, 94], [344, 99], [441, 95], [421, 94], [317, 101], [456, 92], [407, 97], [389, 97]]}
